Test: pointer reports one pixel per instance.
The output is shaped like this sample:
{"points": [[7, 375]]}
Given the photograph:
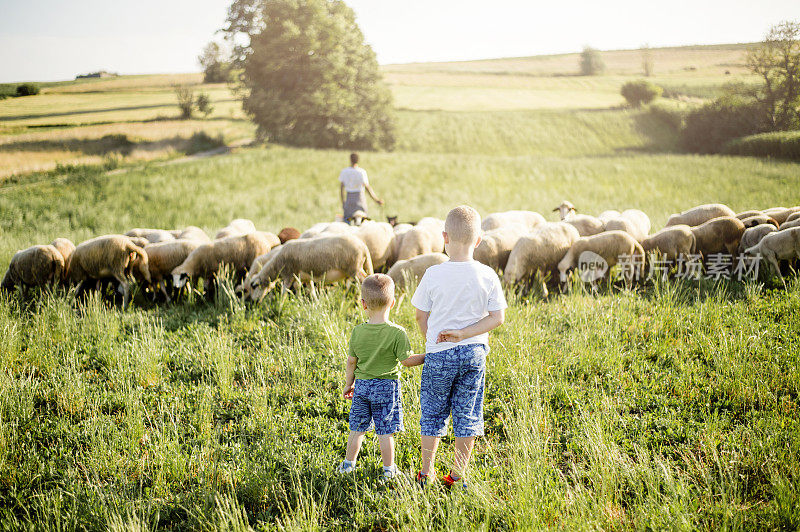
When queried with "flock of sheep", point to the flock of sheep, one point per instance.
{"points": [[521, 244]]}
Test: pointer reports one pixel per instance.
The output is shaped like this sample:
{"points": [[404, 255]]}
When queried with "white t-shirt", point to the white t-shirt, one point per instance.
{"points": [[354, 179], [457, 295]]}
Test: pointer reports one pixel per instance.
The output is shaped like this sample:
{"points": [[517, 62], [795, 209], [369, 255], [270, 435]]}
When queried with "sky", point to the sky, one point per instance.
{"points": [[47, 40]]}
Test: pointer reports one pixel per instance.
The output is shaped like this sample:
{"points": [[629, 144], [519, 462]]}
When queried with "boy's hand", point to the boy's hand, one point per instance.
{"points": [[348, 392], [450, 335]]}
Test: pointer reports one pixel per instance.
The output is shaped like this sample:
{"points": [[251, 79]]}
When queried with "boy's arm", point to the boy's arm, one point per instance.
{"points": [[422, 321], [492, 321], [350, 377], [414, 360]]}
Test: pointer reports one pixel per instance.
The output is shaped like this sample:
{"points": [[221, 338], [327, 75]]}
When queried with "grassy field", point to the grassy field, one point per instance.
{"points": [[669, 407]]}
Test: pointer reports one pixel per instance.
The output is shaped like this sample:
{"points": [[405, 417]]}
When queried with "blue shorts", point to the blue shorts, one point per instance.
{"points": [[378, 403], [452, 384]]}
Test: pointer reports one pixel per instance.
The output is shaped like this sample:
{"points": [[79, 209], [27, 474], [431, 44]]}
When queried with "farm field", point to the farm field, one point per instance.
{"points": [[670, 406]]}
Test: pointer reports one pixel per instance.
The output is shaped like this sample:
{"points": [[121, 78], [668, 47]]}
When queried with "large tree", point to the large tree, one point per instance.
{"points": [[309, 77], [777, 62]]}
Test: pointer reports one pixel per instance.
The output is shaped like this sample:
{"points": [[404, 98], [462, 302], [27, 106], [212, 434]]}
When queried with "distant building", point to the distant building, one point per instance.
{"points": [[99, 74]]}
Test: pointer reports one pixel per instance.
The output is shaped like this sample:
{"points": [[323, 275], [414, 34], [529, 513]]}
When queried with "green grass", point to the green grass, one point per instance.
{"points": [[671, 407]]}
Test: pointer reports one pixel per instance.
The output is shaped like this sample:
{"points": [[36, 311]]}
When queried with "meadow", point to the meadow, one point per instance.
{"points": [[670, 406]]}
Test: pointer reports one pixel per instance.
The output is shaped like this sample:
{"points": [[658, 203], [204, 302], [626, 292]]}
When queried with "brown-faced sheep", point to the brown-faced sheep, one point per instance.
{"points": [[35, 266], [329, 258], [781, 214], [536, 255], [237, 227], [496, 245], [413, 269], [718, 235], [152, 235], [753, 236], [109, 256], [165, 257], [758, 219], [288, 233], [528, 219], [237, 252], [672, 242], [700, 215], [610, 246], [777, 246], [421, 239]]}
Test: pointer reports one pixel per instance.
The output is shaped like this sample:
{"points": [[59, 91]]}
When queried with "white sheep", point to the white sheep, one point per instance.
{"points": [[536, 255], [413, 269], [585, 224], [718, 235], [423, 238], [496, 245], [758, 219], [672, 242], [792, 217], [780, 245], [640, 221], [700, 214], [608, 215], [329, 258], [152, 235], [754, 235], [781, 214], [379, 238], [193, 233], [246, 287], [237, 227], [165, 257], [610, 246], [527, 219], [790, 224], [34, 266], [104, 257], [65, 247], [237, 252], [747, 214]]}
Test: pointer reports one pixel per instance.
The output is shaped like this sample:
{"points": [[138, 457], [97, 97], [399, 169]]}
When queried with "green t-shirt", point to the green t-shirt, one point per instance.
{"points": [[379, 349]]}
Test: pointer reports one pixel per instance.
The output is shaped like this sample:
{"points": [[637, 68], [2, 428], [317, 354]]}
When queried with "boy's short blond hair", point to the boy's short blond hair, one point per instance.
{"points": [[377, 291], [463, 225]]}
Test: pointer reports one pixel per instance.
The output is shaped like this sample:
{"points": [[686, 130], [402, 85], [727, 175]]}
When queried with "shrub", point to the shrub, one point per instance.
{"points": [[670, 116], [640, 92], [591, 62], [27, 89], [203, 104], [710, 126], [782, 145], [186, 103]]}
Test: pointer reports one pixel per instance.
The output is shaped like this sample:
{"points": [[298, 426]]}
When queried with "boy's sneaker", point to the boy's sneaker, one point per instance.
{"points": [[346, 467], [449, 481], [422, 480], [390, 472]]}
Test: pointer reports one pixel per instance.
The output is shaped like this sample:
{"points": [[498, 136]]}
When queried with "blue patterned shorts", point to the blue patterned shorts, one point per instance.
{"points": [[378, 403], [452, 384]]}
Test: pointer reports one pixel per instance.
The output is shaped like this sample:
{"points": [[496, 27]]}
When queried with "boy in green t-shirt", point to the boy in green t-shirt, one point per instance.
{"points": [[377, 348]]}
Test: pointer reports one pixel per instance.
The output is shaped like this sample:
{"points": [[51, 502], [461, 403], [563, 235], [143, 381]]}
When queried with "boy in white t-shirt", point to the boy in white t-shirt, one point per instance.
{"points": [[458, 302]]}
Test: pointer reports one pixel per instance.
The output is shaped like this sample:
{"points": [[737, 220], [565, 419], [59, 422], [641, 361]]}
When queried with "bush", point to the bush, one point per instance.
{"points": [[186, 102], [782, 145], [640, 92], [591, 62], [670, 116], [27, 89], [203, 104], [710, 127]]}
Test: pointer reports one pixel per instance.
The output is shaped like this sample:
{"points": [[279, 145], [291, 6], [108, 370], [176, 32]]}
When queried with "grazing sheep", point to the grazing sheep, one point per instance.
{"points": [[399, 232], [780, 245], [332, 228], [332, 258], [781, 214], [718, 235], [496, 245], [537, 254], [622, 224], [421, 239], [758, 219], [236, 227], [672, 242], [792, 217], [379, 238], [165, 257], [152, 235], [608, 215], [109, 256], [610, 246], [193, 233], [288, 233], [245, 287], [527, 219], [238, 252], [140, 241], [640, 221], [414, 268], [790, 224], [700, 215], [64, 246], [35, 266], [753, 236], [747, 214]]}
